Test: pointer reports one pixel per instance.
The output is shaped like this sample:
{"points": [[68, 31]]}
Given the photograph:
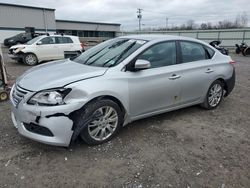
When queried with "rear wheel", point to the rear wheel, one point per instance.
{"points": [[30, 59], [106, 123], [214, 95], [247, 51]]}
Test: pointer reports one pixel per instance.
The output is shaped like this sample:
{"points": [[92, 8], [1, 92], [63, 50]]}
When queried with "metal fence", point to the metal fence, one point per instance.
{"points": [[229, 37]]}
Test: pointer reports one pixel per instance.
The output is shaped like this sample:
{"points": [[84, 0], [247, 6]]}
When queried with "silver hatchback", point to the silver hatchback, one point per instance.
{"points": [[117, 82]]}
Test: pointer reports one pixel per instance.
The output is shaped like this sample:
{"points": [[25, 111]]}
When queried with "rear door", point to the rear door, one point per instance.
{"points": [[64, 44], [196, 71]]}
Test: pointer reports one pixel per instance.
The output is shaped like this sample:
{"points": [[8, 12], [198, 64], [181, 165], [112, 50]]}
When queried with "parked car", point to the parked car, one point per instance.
{"points": [[116, 82], [45, 48], [20, 38]]}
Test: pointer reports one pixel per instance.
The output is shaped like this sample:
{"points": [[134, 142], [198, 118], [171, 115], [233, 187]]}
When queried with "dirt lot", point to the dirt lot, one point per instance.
{"points": [[187, 148]]}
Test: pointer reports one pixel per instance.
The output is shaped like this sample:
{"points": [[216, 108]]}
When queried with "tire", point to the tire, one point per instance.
{"points": [[20, 60], [213, 100], [99, 130], [30, 59], [3, 96], [247, 51], [237, 51]]}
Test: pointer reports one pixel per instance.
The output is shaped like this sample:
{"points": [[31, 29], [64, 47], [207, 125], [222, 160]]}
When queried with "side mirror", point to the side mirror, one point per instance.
{"points": [[39, 43], [141, 64]]}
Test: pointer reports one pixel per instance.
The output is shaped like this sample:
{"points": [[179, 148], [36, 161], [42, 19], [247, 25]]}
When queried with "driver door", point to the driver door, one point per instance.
{"points": [[47, 49], [156, 88]]}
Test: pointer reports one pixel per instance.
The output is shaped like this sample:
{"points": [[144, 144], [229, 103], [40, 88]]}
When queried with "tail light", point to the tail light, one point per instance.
{"points": [[82, 45], [232, 62]]}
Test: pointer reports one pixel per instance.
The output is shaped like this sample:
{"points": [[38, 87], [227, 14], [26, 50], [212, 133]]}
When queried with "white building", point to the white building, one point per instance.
{"points": [[15, 19]]}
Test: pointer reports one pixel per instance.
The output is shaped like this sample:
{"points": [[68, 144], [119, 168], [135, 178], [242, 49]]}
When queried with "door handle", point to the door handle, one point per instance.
{"points": [[174, 76], [209, 71]]}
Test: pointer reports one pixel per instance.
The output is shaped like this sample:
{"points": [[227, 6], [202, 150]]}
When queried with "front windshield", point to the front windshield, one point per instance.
{"points": [[109, 53], [32, 41]]}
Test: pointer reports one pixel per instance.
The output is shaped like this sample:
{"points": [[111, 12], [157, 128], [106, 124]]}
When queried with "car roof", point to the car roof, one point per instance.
{"points": [[59, 35], [152, 37]]}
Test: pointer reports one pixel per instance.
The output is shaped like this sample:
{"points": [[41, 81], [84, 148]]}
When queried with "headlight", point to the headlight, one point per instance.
{"points": [[11, 40], [49, 97], [18, 49]]}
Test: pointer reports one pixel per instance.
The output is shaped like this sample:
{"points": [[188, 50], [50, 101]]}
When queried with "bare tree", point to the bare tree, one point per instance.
{"points": [[244, 19], [204, 26], [237, 22], [190, 25]]}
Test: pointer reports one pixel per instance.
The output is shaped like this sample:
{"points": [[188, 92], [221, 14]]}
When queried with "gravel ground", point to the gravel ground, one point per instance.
{"points": [[186, 148]]}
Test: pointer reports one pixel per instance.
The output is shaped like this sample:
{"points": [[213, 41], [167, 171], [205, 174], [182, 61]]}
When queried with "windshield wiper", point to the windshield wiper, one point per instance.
{"points": [[113, 46], [119, 43], [124, 52], [109, 60], [92, 56]]}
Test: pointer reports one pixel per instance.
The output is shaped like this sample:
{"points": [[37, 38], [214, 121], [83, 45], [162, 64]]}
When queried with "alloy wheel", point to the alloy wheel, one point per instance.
{"points": [[104, 125], [30, 59], [215, 95]]}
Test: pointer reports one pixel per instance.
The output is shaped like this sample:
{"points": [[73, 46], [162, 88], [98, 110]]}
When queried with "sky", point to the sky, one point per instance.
{"points": [[154, 12]]}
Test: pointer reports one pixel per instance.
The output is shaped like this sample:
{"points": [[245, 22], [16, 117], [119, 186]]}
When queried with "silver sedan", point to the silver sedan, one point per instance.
{"points": [[117, 82]]}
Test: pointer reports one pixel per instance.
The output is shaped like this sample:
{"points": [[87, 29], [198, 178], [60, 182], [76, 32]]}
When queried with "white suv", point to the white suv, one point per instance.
{"points": [[44, 48]]}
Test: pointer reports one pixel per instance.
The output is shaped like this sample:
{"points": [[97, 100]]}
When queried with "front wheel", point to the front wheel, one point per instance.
{"points": [[214, 95], [30, 59], [105, 124]]}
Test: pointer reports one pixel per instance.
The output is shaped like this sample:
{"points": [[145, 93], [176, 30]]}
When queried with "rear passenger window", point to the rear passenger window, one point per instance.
{"points": [[64, 40], [159, 55], [210, 52], [192, 51]]}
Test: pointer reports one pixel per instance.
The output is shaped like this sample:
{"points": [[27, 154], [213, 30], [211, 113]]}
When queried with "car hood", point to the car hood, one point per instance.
{"points": [[57, 74], [18, 46]]}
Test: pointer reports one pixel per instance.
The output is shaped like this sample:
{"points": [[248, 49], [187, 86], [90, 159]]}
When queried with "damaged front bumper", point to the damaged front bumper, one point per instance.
{"points": [[15, 56], [47, 124]]}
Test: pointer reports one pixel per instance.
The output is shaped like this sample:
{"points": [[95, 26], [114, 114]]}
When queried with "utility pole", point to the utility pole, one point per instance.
{"points": [[166, 23], [45, 21], [139, 16]]}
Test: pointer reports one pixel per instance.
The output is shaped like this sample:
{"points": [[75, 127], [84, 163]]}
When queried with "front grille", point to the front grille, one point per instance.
{"points": [[18, 94], [37, 129]]}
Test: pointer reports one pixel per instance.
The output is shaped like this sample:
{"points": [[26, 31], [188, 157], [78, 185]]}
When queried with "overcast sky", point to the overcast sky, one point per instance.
{"points": [[153, 15]]}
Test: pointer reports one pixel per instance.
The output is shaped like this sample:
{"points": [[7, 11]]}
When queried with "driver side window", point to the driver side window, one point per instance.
{"points": [[48, 40], [160, 55]]}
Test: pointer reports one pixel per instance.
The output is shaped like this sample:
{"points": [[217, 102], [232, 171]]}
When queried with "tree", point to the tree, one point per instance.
{"points": [[190, 25], [237, 22], [204, 26], [244, 19]]}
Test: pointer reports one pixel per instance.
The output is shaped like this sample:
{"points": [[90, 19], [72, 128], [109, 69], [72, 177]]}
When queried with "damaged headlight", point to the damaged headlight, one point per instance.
{"points": [[49, 97], [18, 49]]}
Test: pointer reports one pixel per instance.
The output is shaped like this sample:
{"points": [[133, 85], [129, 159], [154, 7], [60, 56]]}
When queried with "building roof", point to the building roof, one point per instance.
{"points": [[24, 6], [83, 22]]}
